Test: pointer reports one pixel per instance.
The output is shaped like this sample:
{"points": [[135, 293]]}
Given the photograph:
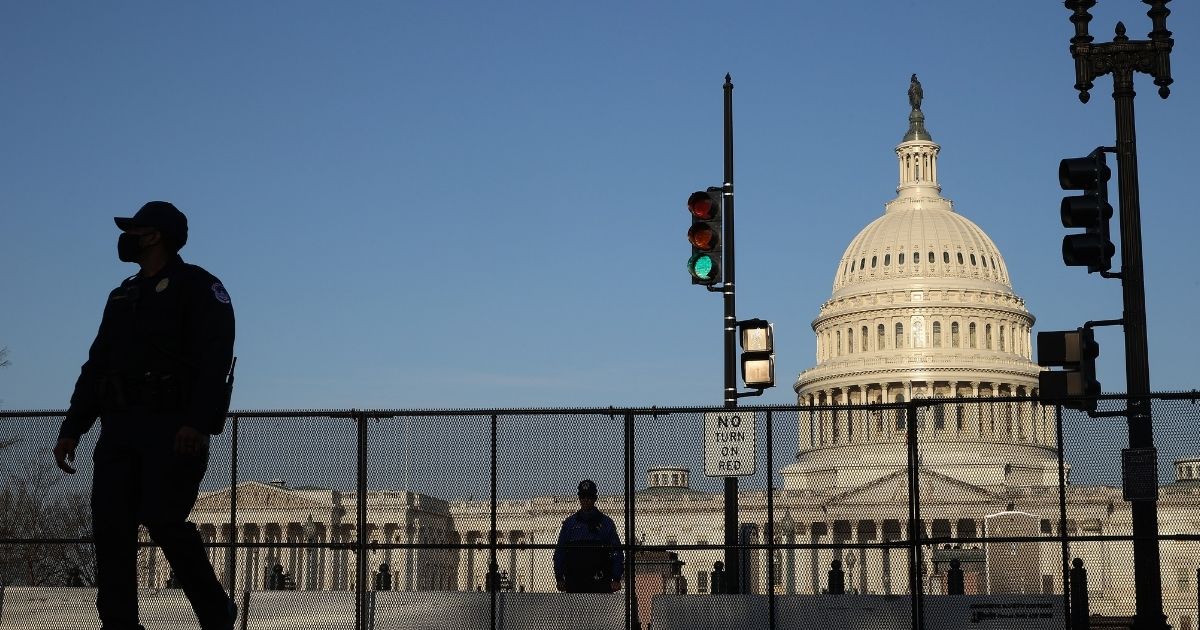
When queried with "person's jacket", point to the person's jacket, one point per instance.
{"points": [[573, 561], [164, 346]]}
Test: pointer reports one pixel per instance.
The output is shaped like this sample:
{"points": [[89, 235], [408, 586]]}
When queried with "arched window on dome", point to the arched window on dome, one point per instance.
{"points": [[862, 264], [887, 259], [916, 258], [987, 336], [849, 341], [874, 259], [931, 258], [852, 265], [983, 261], [971, 335], [881, 338], [937, 334], [973, 260], [954, 334], [960, 258], [866, 336], [946, 257], [899, 336], [900, 260]]}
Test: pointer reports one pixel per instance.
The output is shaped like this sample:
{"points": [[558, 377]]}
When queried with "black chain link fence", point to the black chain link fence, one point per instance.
{"points": [[854, 516]]}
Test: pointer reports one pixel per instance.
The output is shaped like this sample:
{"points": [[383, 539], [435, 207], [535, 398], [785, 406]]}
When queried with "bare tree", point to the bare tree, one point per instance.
{"points": [[34, 506]]}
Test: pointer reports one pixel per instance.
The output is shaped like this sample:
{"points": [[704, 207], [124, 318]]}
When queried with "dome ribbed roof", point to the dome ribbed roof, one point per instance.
{"points": [[900, 245]]}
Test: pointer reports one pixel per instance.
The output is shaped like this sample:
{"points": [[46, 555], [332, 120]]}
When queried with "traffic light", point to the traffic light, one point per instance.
{"points": [[1075, 351], [1092, 249], [705, 236], [758, 353]]}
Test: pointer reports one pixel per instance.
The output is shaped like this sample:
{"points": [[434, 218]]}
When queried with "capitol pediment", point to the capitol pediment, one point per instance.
{"points": [[255, 494], [934, 488]]}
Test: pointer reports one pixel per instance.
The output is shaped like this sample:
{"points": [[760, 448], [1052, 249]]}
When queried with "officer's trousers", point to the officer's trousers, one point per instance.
{"points": [[138, 479]]}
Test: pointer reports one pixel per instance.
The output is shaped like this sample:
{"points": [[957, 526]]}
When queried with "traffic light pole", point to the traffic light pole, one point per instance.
{"points": [[1122, 58], [733, 572]]}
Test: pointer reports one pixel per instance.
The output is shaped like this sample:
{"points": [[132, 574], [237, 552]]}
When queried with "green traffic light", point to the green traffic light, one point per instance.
{"points": [[702, 267]]}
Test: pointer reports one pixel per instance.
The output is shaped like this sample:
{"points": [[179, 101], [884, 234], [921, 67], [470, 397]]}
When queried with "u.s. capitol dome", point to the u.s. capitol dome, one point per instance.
{"points": [[922, 307]]}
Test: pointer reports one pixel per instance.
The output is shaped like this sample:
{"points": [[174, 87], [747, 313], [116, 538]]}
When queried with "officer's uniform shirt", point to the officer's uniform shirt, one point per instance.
{"points": [[164, 346], [588, 569]]}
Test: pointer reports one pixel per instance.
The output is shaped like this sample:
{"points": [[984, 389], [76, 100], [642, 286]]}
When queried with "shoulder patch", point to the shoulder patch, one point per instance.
{"points": [[219, 292]]}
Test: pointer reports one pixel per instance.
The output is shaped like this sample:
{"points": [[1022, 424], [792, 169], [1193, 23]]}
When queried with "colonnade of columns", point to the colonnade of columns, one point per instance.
{"points": [[529, 569], [1013, 422], [918, 163], [319, 567]]}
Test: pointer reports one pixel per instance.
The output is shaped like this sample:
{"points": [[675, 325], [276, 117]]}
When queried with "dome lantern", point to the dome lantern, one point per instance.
{"points": [[918, 152]]}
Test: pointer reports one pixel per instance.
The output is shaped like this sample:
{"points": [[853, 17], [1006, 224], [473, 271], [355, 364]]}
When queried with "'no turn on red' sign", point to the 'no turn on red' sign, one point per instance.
{"points": [[729, 443]]}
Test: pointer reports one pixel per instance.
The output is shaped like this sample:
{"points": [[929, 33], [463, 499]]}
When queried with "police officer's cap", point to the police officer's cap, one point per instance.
{"points": [[587, 488], [162, 216]]}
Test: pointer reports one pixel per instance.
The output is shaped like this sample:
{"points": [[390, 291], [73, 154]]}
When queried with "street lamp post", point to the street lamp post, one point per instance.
{"points": [[1122, 58]]}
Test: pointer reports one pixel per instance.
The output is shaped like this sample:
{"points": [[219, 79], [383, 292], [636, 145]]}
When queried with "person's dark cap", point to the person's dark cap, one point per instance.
{"points": [[587, 488], [160, 215]]}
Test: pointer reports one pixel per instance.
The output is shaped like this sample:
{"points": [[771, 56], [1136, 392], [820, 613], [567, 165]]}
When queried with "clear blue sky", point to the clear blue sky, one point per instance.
{"points": [[448, 204]]}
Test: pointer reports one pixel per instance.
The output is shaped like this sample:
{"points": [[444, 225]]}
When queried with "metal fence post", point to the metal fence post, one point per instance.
{"points": [[631, 603], [1062, 514], [360, 543], [245, 612], [231, 552], [954, 579], [770, 524], [1079, 596], [915, 528], [837, 577], [492, 581]]}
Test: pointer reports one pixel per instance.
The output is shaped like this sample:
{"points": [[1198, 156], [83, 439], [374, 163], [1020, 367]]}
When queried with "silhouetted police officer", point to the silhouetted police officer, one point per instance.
{"points": [[155, 376], [588, 556]]}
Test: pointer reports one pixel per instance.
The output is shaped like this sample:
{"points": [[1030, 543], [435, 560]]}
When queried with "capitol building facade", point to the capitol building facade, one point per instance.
{"points": [[922, 307]]}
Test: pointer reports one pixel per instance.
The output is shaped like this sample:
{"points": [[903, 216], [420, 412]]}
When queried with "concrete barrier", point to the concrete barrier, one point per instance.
{"points": [[856, 612], [168, 609], [441, 610]]}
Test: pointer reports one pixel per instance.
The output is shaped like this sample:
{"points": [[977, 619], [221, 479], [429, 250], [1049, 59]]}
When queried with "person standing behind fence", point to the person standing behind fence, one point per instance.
{"points": [[156, 378], [588, 556]]}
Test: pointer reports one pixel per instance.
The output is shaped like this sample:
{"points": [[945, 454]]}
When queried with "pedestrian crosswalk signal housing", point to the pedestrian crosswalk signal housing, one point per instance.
{"points": [[758, 353], [1075, 386]]}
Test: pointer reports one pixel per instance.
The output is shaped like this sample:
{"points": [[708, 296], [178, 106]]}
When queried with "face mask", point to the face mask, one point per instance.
{"points": [[129, 247]]}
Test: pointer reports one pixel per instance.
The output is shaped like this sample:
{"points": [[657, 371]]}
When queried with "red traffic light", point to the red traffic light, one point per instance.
{"points": [[701, 206], [703, 237]]}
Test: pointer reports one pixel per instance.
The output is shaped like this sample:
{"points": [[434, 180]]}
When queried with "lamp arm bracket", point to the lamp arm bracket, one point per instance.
{"points": [[1104, 322]]}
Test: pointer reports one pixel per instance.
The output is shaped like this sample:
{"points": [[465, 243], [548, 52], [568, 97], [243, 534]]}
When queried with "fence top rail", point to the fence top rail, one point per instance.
{"points": [[614, 411]]}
